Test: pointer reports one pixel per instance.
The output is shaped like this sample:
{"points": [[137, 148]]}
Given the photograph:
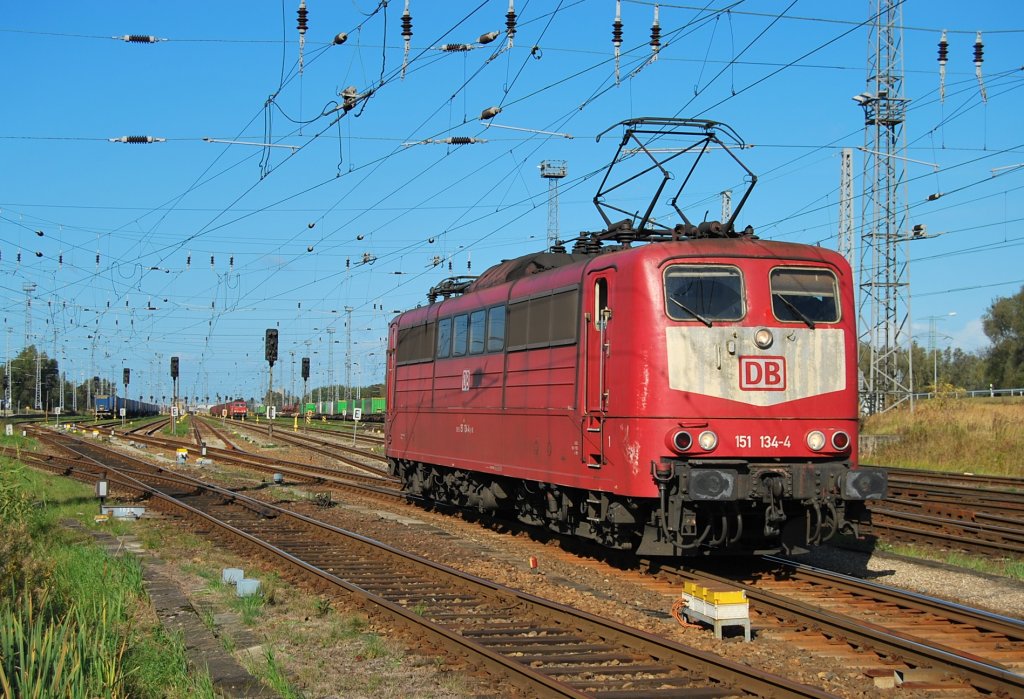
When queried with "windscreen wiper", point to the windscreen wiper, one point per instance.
{"points": [[796, 311], [692, 312]]}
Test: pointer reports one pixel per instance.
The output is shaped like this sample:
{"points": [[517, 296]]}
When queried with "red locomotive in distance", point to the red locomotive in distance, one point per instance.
{"points": [[673, 391], [234, 410]]}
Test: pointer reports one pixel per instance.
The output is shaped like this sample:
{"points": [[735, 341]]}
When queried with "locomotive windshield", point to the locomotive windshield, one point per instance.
{"points": [[704, 293], [804, 295]]}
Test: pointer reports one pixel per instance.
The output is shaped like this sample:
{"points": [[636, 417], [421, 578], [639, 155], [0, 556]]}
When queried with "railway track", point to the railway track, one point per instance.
{"points": [[540, 647], [981, 515], [351, 456]]}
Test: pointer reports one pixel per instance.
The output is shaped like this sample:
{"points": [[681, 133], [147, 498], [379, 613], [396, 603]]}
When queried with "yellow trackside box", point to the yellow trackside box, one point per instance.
{"points": [[718, 607]]}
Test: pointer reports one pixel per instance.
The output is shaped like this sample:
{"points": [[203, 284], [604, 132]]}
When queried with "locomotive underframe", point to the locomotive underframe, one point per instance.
{"points": [[702, 508]]}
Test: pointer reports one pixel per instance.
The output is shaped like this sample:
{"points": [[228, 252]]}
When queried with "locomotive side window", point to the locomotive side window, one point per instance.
{"points": [[804, 295], [496, 329], [415, 344], [704, 293], [460, 335], [476, 331], [444, 338], [543, 321]]}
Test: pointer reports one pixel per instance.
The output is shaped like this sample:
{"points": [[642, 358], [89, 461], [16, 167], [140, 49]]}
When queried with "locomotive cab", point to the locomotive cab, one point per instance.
{"points": [[749, 379]]}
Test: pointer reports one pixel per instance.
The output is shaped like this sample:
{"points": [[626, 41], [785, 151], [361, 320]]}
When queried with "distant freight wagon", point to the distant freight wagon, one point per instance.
{"points": [[111, 406]]}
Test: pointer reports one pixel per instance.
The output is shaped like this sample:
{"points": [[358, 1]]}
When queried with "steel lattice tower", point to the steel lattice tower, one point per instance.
{"points": [[552, 171], [884, 302], [846, 225]]}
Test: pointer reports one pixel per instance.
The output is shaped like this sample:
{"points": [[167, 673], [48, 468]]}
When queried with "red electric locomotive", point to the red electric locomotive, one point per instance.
{"points": [[234, 410], [680, 391]]}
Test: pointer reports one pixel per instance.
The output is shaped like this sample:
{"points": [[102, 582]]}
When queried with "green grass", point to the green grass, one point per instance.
{"points": [[948, 434], [72, 617], [277, 679], [1005, 568]]}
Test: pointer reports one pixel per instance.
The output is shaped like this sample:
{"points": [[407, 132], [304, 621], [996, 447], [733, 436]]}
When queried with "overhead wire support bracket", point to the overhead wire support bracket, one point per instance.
{"points": [[251, 143], [488, 125]]}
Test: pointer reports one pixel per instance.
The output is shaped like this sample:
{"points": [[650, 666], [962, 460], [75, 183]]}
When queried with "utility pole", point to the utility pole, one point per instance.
{"points": [[7, 369], [28, 288], [348, 356], [332, 394], [884, 303], [553, 171]]}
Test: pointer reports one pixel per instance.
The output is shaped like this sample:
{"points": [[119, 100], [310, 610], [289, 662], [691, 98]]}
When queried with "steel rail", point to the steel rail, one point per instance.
{"points": [[538, 682]]}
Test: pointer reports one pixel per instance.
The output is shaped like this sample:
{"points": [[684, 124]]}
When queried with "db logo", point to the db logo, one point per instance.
{"points": [[763, 373]]}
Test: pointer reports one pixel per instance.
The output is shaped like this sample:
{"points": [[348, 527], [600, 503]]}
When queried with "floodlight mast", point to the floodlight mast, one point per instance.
{"points": [[641, 132]]}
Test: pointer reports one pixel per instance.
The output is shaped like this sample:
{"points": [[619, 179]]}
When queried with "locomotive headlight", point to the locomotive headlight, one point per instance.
{"points": [[840, 441], [763, 338], [708, 440], [815, 440]]}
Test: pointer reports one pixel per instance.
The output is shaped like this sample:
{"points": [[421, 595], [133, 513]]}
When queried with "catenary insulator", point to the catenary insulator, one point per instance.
{"points": [[487, 38], [490, 112], [139, 39], [340, 38], [617, 36], [38, 254], [979, 57], [303, 18], [510, 22], [655, 35], [943, 58], [406, 36], [137, 139], [453, 48]]}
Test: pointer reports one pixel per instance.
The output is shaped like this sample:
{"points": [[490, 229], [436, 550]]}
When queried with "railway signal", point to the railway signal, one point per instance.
{"points": [[305, 378], [174, 381], [270, 350], [271, 346]]}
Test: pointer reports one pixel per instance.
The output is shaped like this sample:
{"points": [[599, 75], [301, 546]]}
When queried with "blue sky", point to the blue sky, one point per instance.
{"points": [[288, 228]]}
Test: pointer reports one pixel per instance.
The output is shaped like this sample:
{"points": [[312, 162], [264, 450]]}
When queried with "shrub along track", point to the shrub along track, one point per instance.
{"points": [[537, 646]]}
